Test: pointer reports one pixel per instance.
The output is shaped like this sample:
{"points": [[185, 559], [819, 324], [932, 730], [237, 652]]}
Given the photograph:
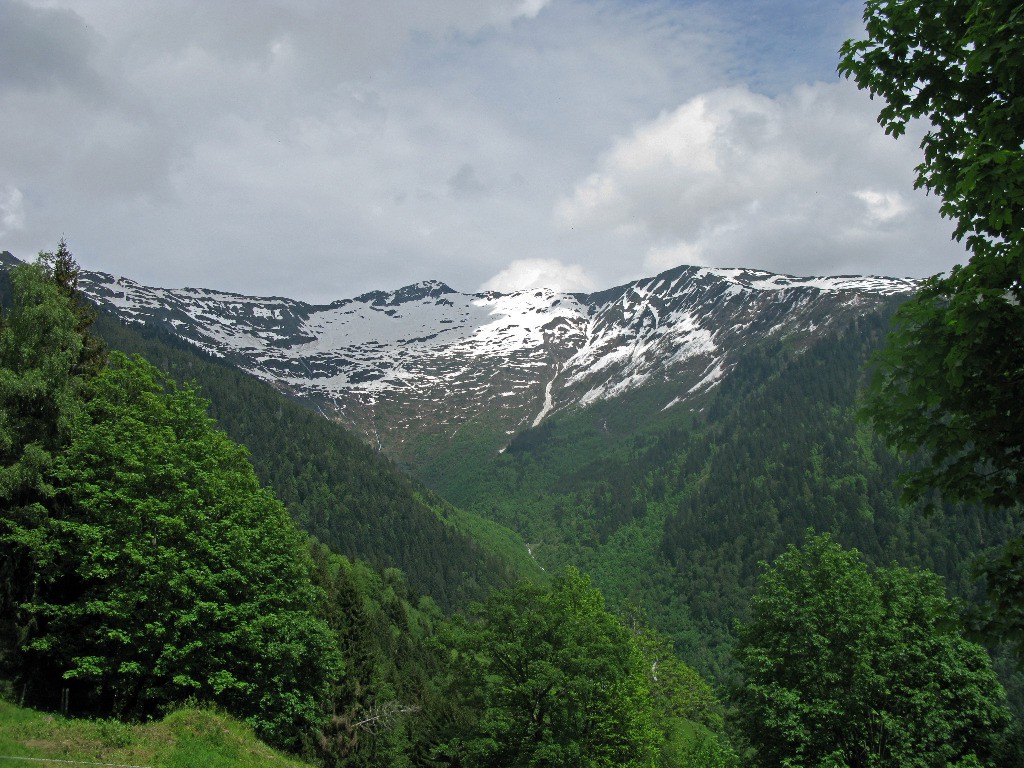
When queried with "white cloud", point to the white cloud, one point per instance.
{"points": [[804, 182], [530, 8], [332, 147], [882, 207], [12, 209], [335, 148], [524, 274], [662, 258]]}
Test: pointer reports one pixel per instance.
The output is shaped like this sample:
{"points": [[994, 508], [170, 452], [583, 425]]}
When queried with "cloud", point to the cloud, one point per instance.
{"points": [[44, 48], [465, 183], [317, 149], [12, 210], [320, 150], [884, 206], [524, 274], [530, 8], [804, 182]]}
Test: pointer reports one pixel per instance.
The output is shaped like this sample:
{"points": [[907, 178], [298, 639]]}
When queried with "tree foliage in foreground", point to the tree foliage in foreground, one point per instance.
{"points": [[845, 667], [143, 564], [551, 678], [188, 579], [559, 681], [950, 380], [394, 668]]}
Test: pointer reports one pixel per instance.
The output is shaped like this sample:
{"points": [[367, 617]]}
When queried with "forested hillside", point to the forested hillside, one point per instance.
{"points": [[759, 520], [144, 567], [335, 486], [671, 512]]}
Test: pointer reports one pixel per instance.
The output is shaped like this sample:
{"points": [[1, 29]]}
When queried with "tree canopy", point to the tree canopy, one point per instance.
{"points": [[142, 562], [557, 681], [948, 384], [954, 369], [844, 667], [176, 574]]}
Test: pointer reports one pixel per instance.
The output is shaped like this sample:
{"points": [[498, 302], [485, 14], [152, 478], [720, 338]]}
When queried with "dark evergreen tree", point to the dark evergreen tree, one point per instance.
{"points": [[64, 271], [41, 401]]}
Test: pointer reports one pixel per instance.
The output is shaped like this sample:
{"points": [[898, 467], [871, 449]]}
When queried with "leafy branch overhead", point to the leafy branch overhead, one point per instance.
{"points": [[950, 381]]}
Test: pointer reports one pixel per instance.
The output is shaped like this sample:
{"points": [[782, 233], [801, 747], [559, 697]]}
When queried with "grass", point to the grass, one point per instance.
{"points": [[184, 739]]}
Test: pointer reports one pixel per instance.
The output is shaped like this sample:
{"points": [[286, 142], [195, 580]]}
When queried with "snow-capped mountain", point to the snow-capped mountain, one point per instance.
{"points": [[429, 359]]}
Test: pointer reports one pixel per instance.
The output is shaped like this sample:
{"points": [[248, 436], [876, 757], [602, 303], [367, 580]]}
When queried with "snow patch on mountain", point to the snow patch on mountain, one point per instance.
{"points": [[428, 357]]}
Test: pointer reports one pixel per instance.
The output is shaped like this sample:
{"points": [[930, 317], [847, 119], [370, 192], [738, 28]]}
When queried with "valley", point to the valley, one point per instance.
{"points": [[644, 451], [666, 436]]}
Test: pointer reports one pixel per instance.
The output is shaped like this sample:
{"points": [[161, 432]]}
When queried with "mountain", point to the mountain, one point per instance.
{"points": [[412, 367], [336, 487], [665, 436], [672, 512]]}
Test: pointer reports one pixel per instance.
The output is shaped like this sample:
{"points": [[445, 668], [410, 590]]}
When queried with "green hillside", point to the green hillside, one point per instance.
{"points": [[672, 511], [335, 486], [145, 568], [184, 739]]}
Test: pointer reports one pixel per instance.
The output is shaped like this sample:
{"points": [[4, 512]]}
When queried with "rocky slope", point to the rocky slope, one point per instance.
{"points": [[427, 360]]}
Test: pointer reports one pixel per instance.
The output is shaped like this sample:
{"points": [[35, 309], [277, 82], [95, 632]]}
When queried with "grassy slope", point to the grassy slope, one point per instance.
{"points": [[184, 739]]}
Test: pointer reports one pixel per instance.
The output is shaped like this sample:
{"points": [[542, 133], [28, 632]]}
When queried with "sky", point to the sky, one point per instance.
{"points": [[318, 149]]}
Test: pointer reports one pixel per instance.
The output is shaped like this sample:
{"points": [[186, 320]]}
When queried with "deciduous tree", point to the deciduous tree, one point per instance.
{"points": [[187, 578], [845, 667], [559, 679], [950, 381]]}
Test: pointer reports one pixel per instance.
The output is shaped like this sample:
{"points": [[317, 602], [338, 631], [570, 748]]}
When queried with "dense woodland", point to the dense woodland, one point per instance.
{"points": [[733, 583], [146, 564], [334, 485], [673, 518]]}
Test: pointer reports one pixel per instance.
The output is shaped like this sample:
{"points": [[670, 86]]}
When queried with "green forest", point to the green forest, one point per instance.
{"points": [[818, 563], [148, 564], [145, 566]]}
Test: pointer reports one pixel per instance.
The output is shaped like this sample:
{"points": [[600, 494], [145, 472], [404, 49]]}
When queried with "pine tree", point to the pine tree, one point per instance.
{"points": [[41, 400]]}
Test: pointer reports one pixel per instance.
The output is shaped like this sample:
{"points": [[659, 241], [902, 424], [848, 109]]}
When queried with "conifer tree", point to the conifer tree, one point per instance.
{"points": [[62, 269], [41, 400]]}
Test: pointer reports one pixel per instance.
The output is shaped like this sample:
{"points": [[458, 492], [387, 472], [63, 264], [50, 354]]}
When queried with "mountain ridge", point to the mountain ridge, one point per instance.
{"points": [[417, 364], [427, 358]]}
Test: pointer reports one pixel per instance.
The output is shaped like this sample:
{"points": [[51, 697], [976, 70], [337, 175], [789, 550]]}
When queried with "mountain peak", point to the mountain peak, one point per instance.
{"points": [[428, 359], [426, 289]]}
